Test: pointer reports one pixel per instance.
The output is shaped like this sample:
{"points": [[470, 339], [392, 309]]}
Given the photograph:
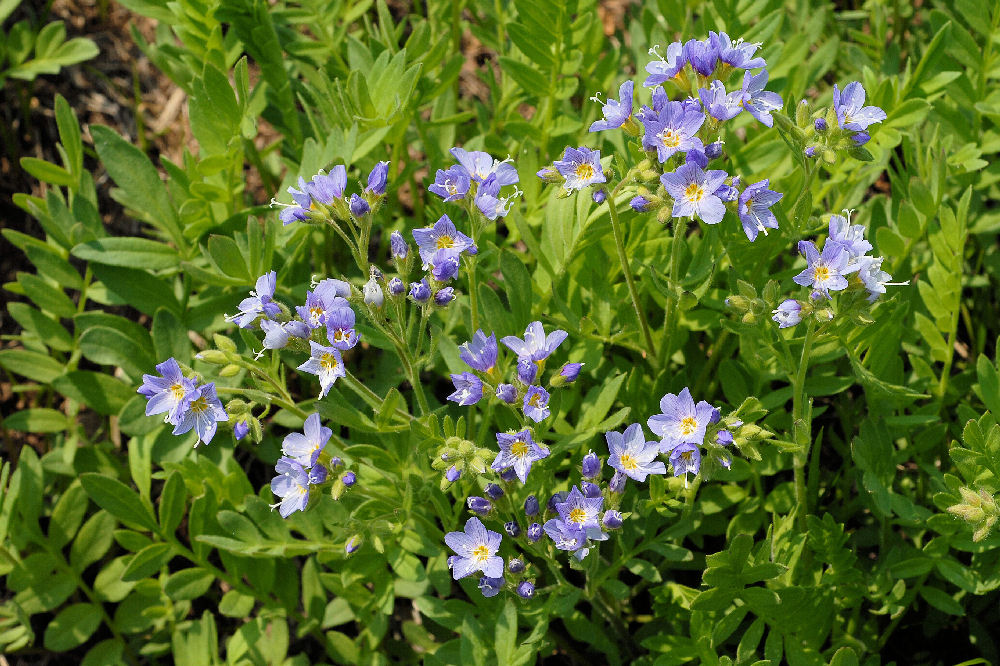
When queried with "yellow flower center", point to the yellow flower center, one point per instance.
{"points": [[628, 462], [688, 425], [670, 138], [519, 448], [444, 242], [577, 516], [315, 314], [450, 187], [177, 391], [694, 192], [535, 399], [686, 455], [199, 405], [481, 553], [821, 274], [328, 361], [584, 171], [339, 335]]}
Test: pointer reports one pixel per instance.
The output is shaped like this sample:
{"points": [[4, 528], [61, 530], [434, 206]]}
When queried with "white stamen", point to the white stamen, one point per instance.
{"points": [[313, 282], [847, 212], [597, 98], [654, 51]]}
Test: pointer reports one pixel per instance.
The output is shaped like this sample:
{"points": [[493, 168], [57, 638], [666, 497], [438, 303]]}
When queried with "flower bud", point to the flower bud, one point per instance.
{"points": [[820, 124], [359, 207], [420, 291], [550, 174], [612, 519], [453, 474], [590, 490], [213, 356], [534, 532], [335, 462], [479, 505], [641, 204], [861, 138], [494, 491], [507, 393], [377, 179], [396, 287], [445, 269], [299, 329], [230, 370], [373, 294], [490, 587], [810, 151], [802, 113], [444, 297], [724, 438], [398, 246], [515, 565], [600, 196], [512, 528], [617, 484], [508, 475], [349, 479], [240, 430], [526, 590], [352, 544], [526, 370], [557, 498], [531, 506], [713, 150], [591, 467]]}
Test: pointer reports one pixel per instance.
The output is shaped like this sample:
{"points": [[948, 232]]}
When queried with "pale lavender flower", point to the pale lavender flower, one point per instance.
{"points": [[171, 394], [693, 192], [203, 414], [480, 353], [305, 447], [476, 550], [535, 345], [468, 389], [755, 209], [616, 111], [536, 404], [632, 455], [258, 303], [680, 420], [325, 363], [852, 114], [518, 451]]}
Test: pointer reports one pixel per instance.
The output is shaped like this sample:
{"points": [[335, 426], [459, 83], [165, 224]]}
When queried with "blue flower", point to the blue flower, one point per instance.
{"points": [[476, 550], [305, 447], [328, 294], [566, 535], [581, 167], [640, 204], [757, 101], [535, 346], [693, 192], [579, 510], [680, 420], [480, 166], [590, 468], [291, 485], [718, 104], [444, 296], [468, 389], [617, 484], [488, 199], [507, 393], [850, 236], [442, 236], [536, 404], [672, 130], [340, 328], [852, 114], [398, 246], [632, 455], [444, 265], [324, 188], [755, 209], [713, 150], [527, 370], [420, 291], [451, 184], [526, 589], [738, 55], [788, 313], [325, 363], [377, 179], [824, 272], [518, 451], [275, 334], [616, 112], [299, 211], [171, 393], [203, 414], [612, 519], [665, 69], [241, 429], [490, 587], [480, 353], [873, 277], [702, 55], [258, 303], [479, 505], [685, 458]]}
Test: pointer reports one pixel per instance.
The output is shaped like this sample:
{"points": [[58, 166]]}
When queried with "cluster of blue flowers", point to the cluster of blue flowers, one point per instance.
{"points": [[322, 197], [852, 120], [304, 465], [478, 177], [186, 405], [827, 272]]}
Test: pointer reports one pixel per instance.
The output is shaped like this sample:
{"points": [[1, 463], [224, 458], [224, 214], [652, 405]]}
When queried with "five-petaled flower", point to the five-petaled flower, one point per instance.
{"points": [[694, 190], [681, 420], [325, 363], [518, 451], [581, 167], [476, 550], [632, 455]]}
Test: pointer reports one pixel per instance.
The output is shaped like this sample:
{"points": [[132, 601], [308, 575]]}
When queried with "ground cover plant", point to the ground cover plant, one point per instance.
{"points": [[512, 333]]}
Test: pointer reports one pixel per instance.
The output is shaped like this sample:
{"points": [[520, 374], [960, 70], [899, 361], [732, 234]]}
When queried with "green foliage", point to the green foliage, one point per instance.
{"points": [[845, 530]]}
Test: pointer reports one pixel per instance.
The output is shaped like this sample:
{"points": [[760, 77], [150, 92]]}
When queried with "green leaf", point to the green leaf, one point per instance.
{"points": [[67, 515], [37, 419], [506, 633], [72, 627], [517, 283], [170, 337], [941, 600], [147, 561], [30, 364], [137, 288], [102, 393], [47, 172], [228, 258], [109, 346], [172, 502], [44, 327], [108, 651], [141, 187], [92, 541], [45, 296], [128, 252], [69, 134], [188, 584], [525, 75], [118, 499]]}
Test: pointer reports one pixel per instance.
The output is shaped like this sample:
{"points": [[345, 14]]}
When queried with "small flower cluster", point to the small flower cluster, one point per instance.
{"points": [[845, 253], [186, 405], [852, 120], [481, 354], [323, 199], [303, 465], [441, 247], [479, 177]]}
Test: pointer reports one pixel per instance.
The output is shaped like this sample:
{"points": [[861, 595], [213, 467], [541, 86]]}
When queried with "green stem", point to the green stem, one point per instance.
{"points": [[802, 427], [370, 396], [669, 316], [629, 280], [473, 293]]}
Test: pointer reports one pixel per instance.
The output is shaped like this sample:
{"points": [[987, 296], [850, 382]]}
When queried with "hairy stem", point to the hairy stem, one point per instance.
{"points": [[616, 229]]}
